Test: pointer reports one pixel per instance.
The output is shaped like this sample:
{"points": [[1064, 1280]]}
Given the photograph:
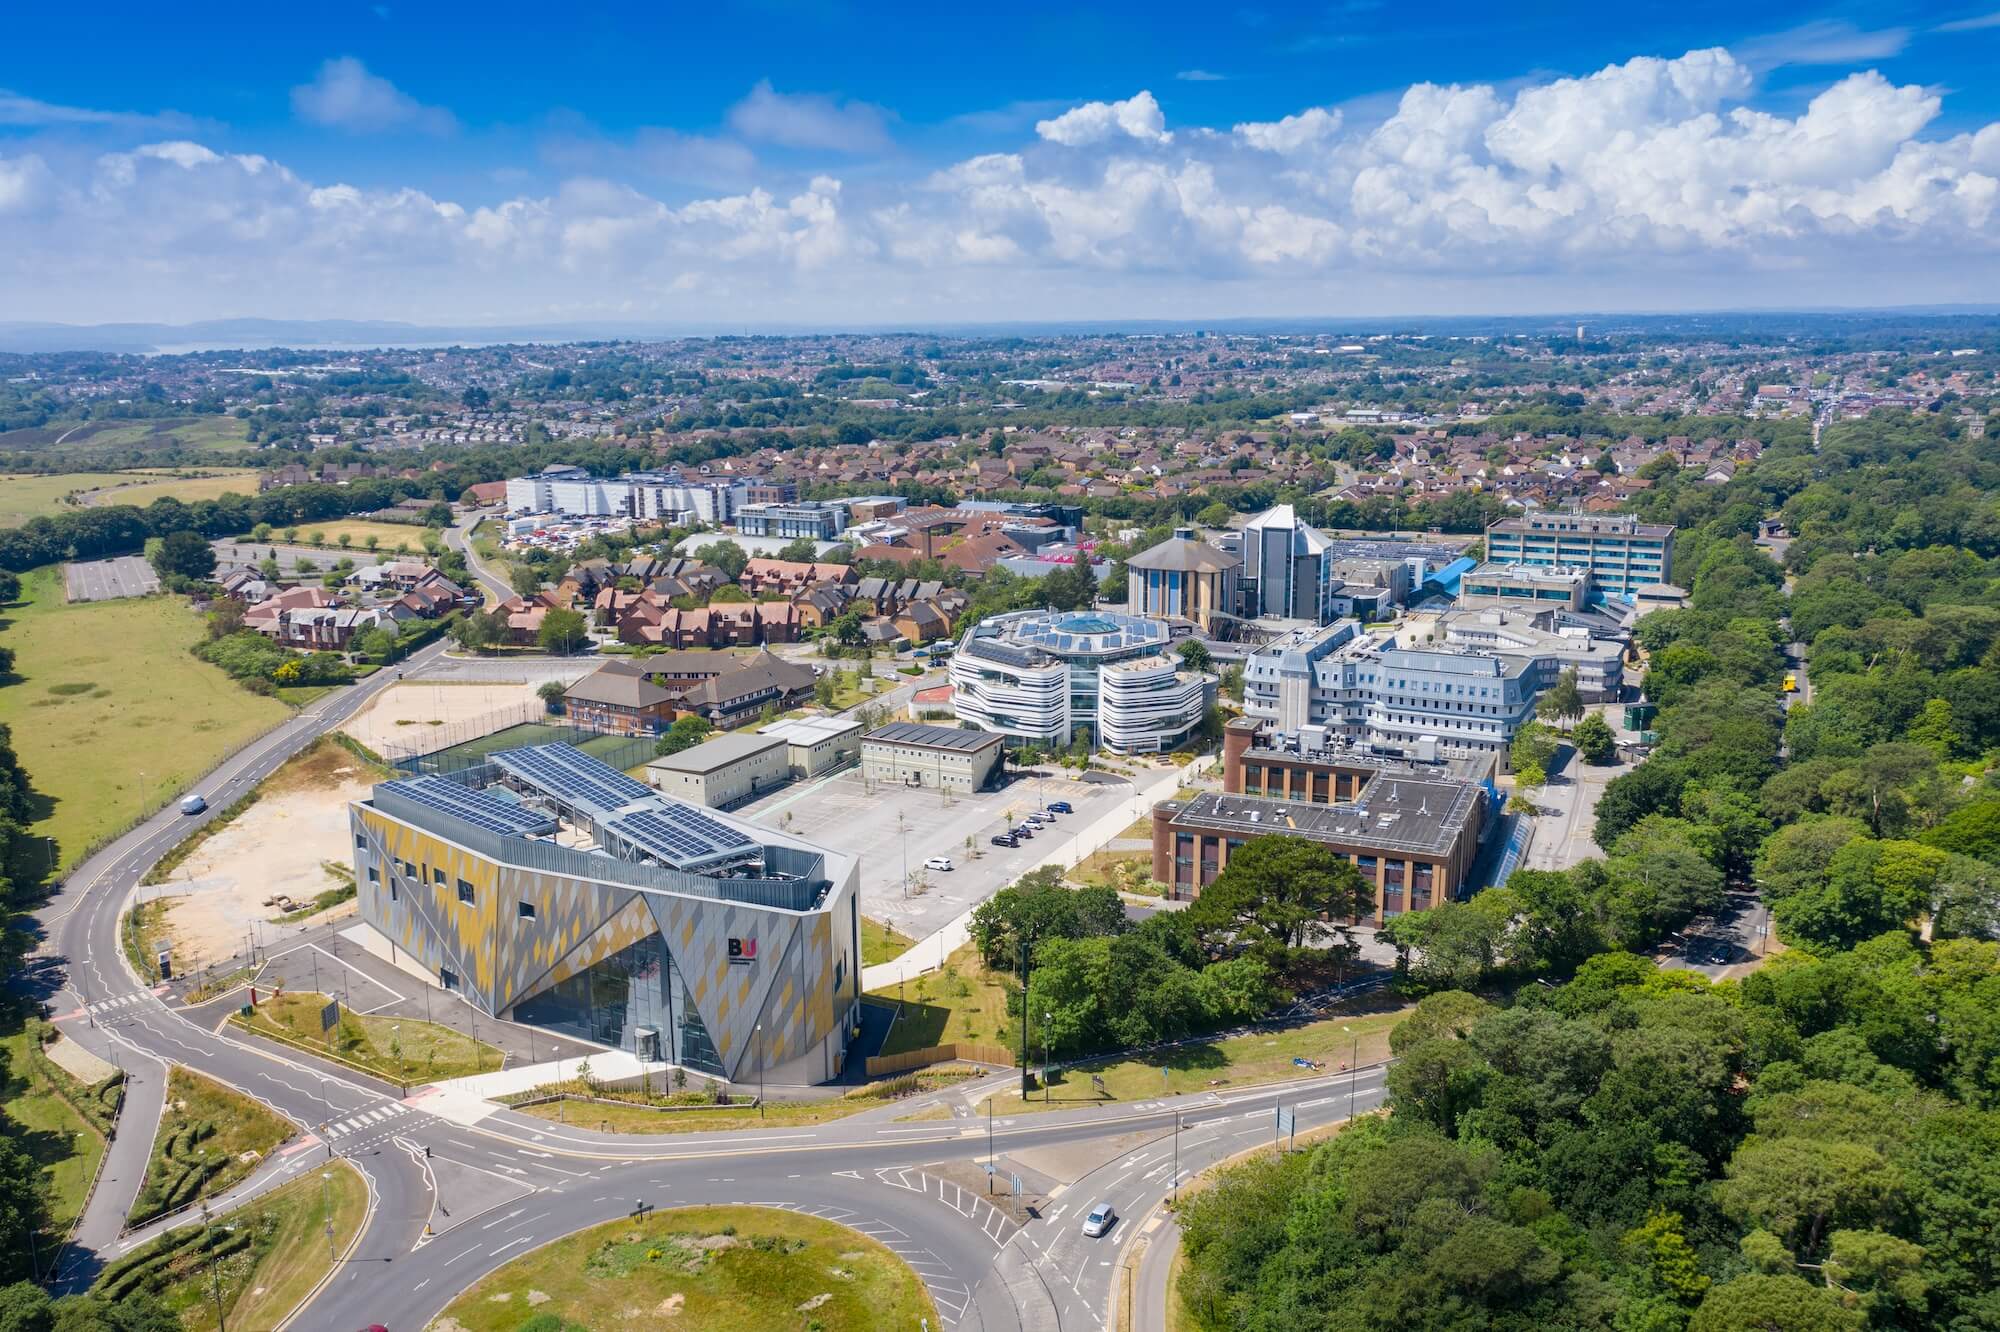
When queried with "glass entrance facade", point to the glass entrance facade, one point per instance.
{"points": [[635, 989]]}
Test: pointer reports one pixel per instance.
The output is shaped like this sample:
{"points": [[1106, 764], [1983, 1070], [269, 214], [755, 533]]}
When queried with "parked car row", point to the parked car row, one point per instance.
{"points": [[1011, 837]]}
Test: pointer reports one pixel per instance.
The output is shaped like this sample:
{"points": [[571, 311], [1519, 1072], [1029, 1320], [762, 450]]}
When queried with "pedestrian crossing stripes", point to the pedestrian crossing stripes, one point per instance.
{"points": [[365, 1119], [106, 1005]]}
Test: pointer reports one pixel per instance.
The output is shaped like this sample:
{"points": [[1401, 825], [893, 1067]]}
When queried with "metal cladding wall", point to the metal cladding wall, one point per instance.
{"points": [[802, 984]]}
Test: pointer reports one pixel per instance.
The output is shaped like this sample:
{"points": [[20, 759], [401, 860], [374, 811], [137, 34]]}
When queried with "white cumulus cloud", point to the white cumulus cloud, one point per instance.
{"points": [[1137, 117], [809, 120], [1653, 178], [345, 96]]}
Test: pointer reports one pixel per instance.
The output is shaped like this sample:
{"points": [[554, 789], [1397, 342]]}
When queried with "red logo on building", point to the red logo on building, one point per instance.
{"points": [[743, 950]]}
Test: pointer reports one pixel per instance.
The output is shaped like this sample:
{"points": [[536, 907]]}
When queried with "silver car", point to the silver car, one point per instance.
{"points": [[1102, 1217]]}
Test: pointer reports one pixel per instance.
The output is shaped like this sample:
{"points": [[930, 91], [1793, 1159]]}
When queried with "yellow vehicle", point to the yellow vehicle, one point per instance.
{"points": [[1791, 682]]}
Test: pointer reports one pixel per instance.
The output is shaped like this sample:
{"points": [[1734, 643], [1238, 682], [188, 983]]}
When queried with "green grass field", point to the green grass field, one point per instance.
{"points": [[748, 1269], [142, 488], [388, 536], [210, 1139], [30, 496], [217, 433], [113, 716], [1234, 1061], [963, 1002], [272, 1251], [399, 1049], [50, 1130], [881, 943]]}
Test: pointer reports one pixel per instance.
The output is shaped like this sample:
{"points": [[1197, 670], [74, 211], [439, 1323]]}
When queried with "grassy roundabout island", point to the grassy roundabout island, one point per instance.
{"points": [[744, 1268]]}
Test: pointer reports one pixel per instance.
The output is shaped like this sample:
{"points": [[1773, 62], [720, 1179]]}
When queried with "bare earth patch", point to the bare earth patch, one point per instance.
{"points": [[414, 717], [278, 847]]}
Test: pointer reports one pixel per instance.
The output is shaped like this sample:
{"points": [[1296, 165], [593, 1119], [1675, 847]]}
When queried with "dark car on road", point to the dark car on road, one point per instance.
{"points": [[1005, 839], [1061, 807]]}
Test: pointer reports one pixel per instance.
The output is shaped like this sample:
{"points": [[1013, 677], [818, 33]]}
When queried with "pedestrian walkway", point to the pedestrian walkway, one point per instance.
{"points": [[469, 1100]]}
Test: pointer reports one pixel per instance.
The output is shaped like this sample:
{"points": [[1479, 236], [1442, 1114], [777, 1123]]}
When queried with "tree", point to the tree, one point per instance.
{"points": [[1534, 746], [728, 594], [475, 631], [1562, 701], [1194, 655], [1217, 514], [563, 631], [1279, 893], [184, 554], [1594, 739], [378, 643], [687, 731], [1039, 907], [551, 693], [801, 550], [10, 588], [1761, 1303], [525, 579], [727, 557]]}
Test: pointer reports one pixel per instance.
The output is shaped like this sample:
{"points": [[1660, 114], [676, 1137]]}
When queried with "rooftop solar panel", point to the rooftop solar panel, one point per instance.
{"points": [[680, 835], [475, 807], [572, 776]]}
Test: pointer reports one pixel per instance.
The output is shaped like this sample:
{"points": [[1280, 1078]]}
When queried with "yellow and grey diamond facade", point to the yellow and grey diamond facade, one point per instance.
{"points": [[686, 936]]}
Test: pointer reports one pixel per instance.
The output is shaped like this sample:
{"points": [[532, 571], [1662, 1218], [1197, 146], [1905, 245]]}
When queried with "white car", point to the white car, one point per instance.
{"points": [[938, 863], [1102, 1217]]}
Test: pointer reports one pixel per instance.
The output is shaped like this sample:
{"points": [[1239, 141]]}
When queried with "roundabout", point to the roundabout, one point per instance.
{"points": [[745, 1267]]}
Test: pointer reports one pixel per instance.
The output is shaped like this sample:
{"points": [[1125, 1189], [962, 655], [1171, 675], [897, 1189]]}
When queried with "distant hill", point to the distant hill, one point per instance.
{"points": [[360, 334]]}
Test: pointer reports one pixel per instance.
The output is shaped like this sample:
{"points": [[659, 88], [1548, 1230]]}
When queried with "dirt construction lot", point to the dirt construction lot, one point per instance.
{"points": [[416, 717], [281, 844]]}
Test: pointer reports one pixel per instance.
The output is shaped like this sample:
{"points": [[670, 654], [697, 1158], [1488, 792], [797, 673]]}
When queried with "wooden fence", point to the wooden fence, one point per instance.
{"points": [[940, 1054]]}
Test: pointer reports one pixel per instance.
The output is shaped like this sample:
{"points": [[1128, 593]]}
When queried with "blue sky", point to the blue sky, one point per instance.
{"points": [[825, 162]]}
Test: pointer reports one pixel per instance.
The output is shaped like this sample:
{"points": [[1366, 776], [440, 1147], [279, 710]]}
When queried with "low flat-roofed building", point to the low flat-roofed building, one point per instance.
{"points": [[941, 757], [1536, 587], [1414, 839], [1599, 663], [815, 746], [723, 771]]}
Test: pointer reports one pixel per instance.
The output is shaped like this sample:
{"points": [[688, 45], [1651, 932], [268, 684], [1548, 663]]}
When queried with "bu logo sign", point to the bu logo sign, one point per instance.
{"points": [[742, 950]]}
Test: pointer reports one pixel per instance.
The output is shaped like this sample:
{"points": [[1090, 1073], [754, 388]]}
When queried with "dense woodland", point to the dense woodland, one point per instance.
{"points": [[1592, 1142]]}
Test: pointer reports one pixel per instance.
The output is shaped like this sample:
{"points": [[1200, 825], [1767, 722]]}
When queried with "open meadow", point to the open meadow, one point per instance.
{"points": [[112, 714]]}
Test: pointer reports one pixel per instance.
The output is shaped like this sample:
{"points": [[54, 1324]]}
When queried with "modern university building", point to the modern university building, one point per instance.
{"points": [[551, 889], [1039, 676]]}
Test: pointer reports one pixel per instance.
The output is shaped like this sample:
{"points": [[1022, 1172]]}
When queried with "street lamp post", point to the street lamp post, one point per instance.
{"points": [[214, 1270], [1353, 1071], [1177, 1157], [760, 1070], [1025, 1011], [1045, 1059]]}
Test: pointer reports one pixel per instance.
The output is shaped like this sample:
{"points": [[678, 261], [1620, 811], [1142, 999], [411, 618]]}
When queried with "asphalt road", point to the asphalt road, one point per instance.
{"points": [[450, 1202]]}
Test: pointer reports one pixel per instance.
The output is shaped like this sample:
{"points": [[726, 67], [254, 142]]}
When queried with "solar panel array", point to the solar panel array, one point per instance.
{"points": [[572, 776], [477, 808], [680, 835]]}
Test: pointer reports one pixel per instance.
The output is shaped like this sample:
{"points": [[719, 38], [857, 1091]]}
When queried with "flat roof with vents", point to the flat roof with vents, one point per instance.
{"points": [[1396, 814]]}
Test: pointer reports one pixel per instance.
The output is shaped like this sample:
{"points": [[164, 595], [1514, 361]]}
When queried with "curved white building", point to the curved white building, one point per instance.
{"points": [[1039, 676], [1148, 704]]}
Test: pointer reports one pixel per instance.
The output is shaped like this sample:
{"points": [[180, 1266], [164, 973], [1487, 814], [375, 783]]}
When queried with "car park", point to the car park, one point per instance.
{"points": [[1102, 1217], [1025, 830], [1041, 816], [1005, 839], [938, 863]]}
